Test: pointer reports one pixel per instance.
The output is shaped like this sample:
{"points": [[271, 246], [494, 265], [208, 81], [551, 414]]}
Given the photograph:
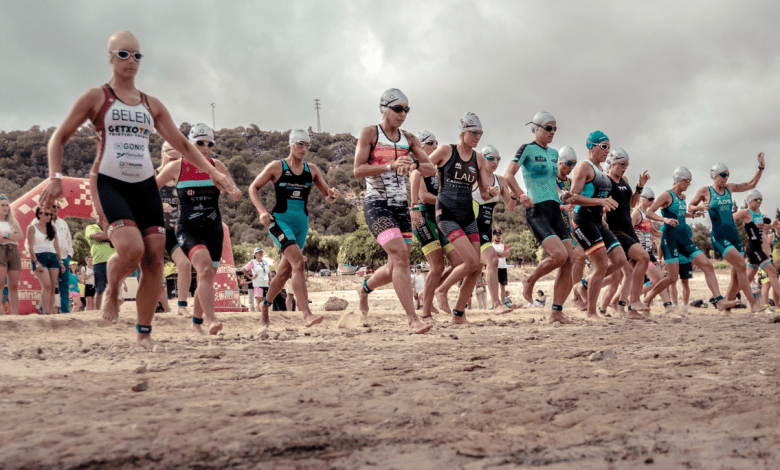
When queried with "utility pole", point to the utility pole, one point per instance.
{"points": [[213, 118], [317, 107]]}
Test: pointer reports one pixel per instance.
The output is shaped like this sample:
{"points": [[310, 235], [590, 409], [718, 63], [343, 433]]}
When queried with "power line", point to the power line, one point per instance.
{"points": [[213, 118], [317, 107]]}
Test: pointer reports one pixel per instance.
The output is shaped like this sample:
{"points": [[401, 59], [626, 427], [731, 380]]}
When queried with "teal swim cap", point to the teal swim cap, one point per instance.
{"points": [[595, 137]]}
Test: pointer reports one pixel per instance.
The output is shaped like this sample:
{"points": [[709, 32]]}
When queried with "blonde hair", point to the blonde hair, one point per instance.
{"points": [[10, 218]]}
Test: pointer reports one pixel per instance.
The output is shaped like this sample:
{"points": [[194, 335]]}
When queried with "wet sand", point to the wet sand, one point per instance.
{"points": [[509, 392]]}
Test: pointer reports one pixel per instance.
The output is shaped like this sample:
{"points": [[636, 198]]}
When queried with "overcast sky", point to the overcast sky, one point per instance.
{"points": [[674, 83]]}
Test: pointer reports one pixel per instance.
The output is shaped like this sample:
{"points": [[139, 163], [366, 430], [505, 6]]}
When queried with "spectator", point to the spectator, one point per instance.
{"points": [[66, 250], [43, 246], [10, 256], [73, 286], [418, 282], [87, 277], [101, 250], [257, 270]]}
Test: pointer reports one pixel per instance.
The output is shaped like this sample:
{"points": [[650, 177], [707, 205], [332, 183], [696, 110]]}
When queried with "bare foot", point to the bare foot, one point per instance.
{"points": [[724, 304], [111, 309], [460, 320], [632, 315], [184, 312], [558, 316], [504, 311], [310, 320], [363, 300], [417, 327], [198, 329], [757, 308], [578, 302], [146, 341], [528, 291], [215, 328], [434, 310], [263, 330], [427, 319], [639, 307], [594, 317], [441, 297]]}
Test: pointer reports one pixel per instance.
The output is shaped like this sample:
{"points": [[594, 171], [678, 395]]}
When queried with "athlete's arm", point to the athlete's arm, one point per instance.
{"points": [[740, 187], [509, 176], [425, 167], [743, 215], [636, 217], [87, 106], [440, 156], [702, 196], [168, 130], [422, 192], [330, 194], [271, 172], [664, 200], [168, 173], [506, 194], [582, 174], [643, 178], [233, 191]]}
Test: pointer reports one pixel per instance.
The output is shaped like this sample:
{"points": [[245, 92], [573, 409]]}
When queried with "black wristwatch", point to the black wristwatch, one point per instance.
{"points": [[639, 189]]}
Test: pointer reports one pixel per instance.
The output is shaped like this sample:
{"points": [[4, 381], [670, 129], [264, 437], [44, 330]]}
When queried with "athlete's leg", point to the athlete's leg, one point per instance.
{"points": [[611, 284], [733, 289], [577, 270], [655, 275], [398, 268], [436, 269], [774, 282], [739, 271], [183, 278], [490, 259], [563, 283], [441, 294], [705, 265], [151, 277], [558, 257], [468, 271], [204, 300], [642, 258], [599, 261], [686, 291], [294, 266]]}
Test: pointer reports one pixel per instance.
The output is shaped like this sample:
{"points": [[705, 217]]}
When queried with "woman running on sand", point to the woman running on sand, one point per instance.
{"points": [[676, 238], [199, 229], [539, 165], [460, 168], [124, 118], [435, 246], [288, 221], [382, 157], [717, 201]]}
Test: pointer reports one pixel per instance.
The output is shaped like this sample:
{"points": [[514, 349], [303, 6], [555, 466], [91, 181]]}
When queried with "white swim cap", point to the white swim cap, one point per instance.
{"points": [[567, 154], [201, 131], [470, 122], [681, 173], [299, 135], [617, 154], [648, 193], [392, 97], [541, 118], [718, 168], [425, 137], [490, 151], [753, 195]]}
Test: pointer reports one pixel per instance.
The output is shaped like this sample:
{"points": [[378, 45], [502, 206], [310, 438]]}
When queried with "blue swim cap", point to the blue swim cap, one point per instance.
{"points": [[595, 137]]}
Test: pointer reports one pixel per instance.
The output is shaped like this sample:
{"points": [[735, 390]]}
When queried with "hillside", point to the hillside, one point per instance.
{"points": [[245, 152]]}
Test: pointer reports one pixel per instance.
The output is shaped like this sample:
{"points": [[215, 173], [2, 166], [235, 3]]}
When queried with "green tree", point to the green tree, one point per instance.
{"points": [[361, 248], [701, 237], [522, 247]]}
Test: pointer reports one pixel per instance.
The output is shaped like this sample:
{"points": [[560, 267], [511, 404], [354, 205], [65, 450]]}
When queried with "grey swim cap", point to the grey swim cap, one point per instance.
{"points": [[201, 131], [299, 135], [753, 195], [541, 118], [648, 193], [617, 154], [681, 173], [718, 168], [425, 137], [490, 151], [392, 97], [470, 122], [567, 154]]}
